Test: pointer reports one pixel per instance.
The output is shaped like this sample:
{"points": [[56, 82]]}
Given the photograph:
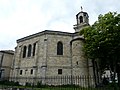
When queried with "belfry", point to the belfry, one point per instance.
{"points": [[82, 19]]}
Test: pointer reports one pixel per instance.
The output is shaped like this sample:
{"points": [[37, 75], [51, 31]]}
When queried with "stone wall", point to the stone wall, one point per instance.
{"points": [[46, 62], [6, 58]]}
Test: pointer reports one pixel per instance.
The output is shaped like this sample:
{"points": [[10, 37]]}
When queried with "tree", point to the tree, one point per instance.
{"points": [[102, 42]]}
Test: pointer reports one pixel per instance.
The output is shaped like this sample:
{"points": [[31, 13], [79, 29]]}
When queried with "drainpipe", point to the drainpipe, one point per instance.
{"points": [[46, 56], [1, 64], [71, 62]]}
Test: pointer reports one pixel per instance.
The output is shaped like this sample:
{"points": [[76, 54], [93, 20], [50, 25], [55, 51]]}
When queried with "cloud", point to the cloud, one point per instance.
{"points": [[20, 18], [97, 7]]}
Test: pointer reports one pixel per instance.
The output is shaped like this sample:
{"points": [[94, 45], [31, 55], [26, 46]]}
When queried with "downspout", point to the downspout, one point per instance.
{"points": [[1, 64], [71, 62], [46, 43]]}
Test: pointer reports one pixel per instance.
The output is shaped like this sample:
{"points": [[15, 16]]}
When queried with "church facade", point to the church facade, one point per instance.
{"points": [[53, 53]]}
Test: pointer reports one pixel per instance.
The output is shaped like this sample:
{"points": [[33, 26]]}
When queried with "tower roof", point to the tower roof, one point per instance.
{"points": [[84, 13], [82, 19], [81, 12]]}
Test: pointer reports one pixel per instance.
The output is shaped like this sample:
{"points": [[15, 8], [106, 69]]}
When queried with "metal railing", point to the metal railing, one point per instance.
{"points": [[56, 83]]}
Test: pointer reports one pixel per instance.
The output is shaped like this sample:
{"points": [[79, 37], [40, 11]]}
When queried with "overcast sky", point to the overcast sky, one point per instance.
{"points": [[20, 18]]}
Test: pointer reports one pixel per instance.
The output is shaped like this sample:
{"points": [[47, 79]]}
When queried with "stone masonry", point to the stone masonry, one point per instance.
{"points": [[38, 55]]}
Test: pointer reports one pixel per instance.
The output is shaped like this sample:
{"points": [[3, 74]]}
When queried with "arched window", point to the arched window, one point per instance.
{"points": [[81, 19], [34, 47], [24, 51], [59, 48], [29, 50]]}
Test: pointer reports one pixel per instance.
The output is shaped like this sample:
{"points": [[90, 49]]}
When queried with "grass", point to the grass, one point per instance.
{"points": [[55, 88], [46, 87]]}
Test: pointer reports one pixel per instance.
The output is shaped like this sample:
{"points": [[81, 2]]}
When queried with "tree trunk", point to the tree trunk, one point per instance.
{"points": [[94, 72], [97, 72]]}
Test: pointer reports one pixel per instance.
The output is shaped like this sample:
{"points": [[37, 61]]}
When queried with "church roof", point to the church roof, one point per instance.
{"points": [[45, 32]]}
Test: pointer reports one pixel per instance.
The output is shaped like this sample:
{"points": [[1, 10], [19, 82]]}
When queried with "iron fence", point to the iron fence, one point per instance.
{"points": [[56, 83]]}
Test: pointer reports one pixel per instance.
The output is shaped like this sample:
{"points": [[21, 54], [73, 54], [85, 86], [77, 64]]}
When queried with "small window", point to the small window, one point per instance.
{"points": [[59, 48], [29, 50], [34, 47], [77, 62], [31, 72], [59, 71], [21, 72], [24, 51], [45, 39]]}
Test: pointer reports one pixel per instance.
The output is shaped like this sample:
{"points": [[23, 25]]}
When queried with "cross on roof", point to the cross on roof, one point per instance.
{"points": [[81, 9]]}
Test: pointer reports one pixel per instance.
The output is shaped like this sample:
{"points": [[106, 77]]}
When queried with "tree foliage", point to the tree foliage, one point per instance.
{"points": [[102, 41]]}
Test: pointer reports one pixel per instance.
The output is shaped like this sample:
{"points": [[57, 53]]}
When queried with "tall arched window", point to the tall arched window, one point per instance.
{"points": [[24, 51], [59, 48], [34, 47], [81, 19], [29, 50]]}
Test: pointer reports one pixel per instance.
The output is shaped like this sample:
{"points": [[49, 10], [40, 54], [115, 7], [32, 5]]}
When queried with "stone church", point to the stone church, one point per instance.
{"points": [[53, 53]]}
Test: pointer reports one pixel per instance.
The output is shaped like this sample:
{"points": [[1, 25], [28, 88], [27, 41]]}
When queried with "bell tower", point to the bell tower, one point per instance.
{"points": [[82, 20]]}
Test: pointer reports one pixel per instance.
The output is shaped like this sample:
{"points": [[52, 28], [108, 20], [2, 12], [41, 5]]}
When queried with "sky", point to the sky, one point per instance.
{"points": [[20, 18]]}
